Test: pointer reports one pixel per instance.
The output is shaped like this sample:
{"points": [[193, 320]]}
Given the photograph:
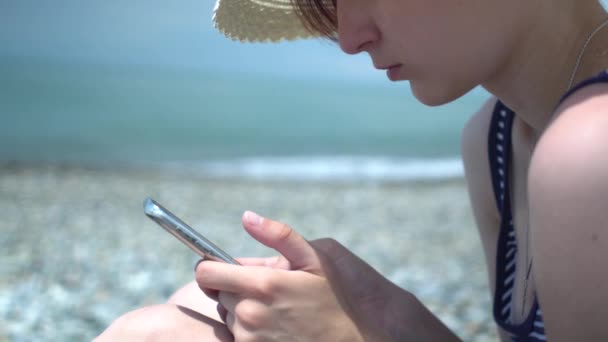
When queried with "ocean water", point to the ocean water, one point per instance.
{"points": [[233, 125]]}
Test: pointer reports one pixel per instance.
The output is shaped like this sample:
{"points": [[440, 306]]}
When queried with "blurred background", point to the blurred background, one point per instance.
{"points": [[103, 103], [108, 83]]}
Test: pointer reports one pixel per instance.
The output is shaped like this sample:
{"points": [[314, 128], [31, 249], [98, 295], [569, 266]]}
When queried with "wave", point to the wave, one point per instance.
{"points": [[333, 169]]}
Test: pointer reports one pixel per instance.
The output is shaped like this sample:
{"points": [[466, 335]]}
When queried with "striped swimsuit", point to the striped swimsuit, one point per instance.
{"points": [[499, 149]]}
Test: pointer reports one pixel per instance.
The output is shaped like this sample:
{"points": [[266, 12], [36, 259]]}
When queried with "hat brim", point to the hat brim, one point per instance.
{"points": [[259, 21]]}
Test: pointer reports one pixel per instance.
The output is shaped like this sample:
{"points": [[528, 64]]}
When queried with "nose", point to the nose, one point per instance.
{"points": [[356, 27]]}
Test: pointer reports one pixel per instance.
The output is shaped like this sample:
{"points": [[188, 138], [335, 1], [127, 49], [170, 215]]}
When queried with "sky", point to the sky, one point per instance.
{"points": [[174, 34]]}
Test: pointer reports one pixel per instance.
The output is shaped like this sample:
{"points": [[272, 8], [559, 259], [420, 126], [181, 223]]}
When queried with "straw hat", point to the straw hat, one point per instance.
{"points": [[259, 20]]}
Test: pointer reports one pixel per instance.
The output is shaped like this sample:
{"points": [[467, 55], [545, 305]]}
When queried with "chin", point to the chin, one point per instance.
{"points": [[434, 95]]}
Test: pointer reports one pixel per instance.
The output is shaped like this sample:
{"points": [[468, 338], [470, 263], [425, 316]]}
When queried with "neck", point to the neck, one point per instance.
{"points": [[534, 78]]}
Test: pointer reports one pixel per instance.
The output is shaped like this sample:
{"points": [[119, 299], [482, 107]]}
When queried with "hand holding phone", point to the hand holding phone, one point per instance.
{"points": [[184, 233]]}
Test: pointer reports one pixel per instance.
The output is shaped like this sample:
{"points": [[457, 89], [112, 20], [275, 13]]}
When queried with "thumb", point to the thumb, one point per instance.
{"points": [[284, 240]]}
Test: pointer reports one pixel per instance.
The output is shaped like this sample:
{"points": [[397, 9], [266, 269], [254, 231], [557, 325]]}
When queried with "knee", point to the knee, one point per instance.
{"points": [[145, 324], [185, 294], [191, 296], [164, 322]]}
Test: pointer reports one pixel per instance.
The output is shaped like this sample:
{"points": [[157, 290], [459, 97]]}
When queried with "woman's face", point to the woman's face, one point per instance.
{"points": [[443, 47]]}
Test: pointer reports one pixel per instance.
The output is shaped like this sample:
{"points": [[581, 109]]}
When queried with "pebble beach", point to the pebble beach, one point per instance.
{"points": [[77, 250]]}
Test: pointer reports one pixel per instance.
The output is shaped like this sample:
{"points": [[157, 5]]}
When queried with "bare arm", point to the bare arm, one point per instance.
{"points": [[479, 183], [568, 191]]}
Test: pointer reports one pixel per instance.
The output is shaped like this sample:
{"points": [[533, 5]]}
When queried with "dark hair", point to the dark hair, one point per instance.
{"points": [[318, 16]]}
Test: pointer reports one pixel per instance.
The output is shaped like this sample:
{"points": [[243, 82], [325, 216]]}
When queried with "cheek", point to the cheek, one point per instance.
{"points": [[444, 65], [433, 35], [437, 74], [447, 49]]}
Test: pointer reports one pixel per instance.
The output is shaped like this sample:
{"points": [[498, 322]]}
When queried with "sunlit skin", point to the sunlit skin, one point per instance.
{"points": [[522, 52], [445, 47]]}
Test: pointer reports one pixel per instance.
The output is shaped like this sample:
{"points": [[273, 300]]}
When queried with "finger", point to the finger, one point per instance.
{"points": [[198, 262], [208, 292], [249, 313], [239, 333], [222, 312], [278, 261], [239, 279], [211, 293], [228, 301], [284, 239], [230, 321]]}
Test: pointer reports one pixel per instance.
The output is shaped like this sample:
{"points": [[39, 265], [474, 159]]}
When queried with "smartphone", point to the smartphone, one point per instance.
{"points": [[184, 233]]}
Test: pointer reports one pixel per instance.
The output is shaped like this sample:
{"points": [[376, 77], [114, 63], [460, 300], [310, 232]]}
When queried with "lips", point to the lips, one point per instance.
{"points": [[393, 72]]}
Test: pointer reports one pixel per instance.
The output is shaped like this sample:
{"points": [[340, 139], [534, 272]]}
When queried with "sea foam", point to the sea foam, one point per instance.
{"points": [[329, 168]]}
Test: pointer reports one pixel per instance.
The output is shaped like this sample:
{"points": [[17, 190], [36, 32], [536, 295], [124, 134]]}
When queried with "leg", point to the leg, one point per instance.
{"points": [[165, 322], [191, 297], [188, 315]]}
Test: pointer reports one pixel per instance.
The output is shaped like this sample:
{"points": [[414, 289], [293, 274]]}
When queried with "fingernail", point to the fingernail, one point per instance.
{"points": [[253, 218], [197, 263]]}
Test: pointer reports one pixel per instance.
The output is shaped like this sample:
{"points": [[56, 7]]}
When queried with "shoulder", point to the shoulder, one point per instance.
{"points": [[568, 193], [573, 151]]}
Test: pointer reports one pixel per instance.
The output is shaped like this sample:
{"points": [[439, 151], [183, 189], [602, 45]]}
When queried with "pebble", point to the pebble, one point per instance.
{"points": [[78, 252]]}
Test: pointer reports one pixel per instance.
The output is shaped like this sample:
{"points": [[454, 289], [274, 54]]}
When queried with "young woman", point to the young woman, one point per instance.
{"points": [[536, 162]]}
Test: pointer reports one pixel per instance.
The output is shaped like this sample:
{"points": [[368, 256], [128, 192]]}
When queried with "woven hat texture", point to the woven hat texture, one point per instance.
{"points": [[259, 20]]}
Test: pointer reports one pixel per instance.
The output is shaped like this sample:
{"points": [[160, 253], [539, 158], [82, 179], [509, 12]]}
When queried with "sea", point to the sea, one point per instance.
{"points": [[225, 124]]}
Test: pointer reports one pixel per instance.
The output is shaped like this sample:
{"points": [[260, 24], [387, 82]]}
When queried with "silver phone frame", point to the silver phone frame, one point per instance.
{"points": [[184, 233]]}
